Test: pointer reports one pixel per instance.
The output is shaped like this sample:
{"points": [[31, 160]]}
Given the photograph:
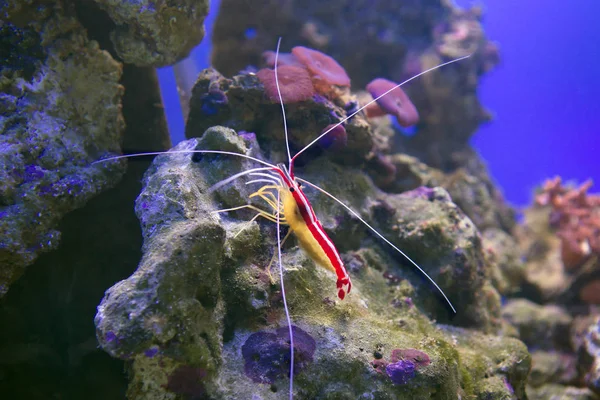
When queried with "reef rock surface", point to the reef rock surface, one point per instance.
{"points": [[203, 316], [155, 33], [60, 109]]}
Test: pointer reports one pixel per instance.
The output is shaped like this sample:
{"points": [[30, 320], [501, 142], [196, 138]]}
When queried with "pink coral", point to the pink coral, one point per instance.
{"points": [[395, 103], [576, 216], [419, 358], [294, 82], [322, 67], [283, 59]]}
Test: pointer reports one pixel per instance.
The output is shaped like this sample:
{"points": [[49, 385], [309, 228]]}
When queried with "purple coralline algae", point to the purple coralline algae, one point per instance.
{"points": [[402, 366], [334, 140], [213, 101], [267, 355], [401, 371]]}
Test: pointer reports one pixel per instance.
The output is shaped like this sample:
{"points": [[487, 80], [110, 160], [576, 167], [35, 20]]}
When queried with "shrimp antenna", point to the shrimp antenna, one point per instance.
{"points": [[374, 100], [225, 181], [285, 306], [351, 211], [158, 153], [290, 159], [285, 129]]}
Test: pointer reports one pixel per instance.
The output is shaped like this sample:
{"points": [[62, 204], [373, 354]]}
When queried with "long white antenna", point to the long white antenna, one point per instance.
{"points": [[285, 306], [285, 129], [374, 100], [351, 211], [158, 153]]}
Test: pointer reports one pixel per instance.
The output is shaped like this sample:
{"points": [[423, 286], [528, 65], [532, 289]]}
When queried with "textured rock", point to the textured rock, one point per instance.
{"points": [[543, 327], [559, 392], [48, 334], [592, 346], [470, 187], [240, 103], [60, 109], [155, 33], [502, 252], [437, 234], [202, 291], [545, 275], [552, 367]]}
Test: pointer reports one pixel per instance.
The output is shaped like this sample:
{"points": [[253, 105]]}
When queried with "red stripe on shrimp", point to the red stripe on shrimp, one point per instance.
{"points": [[317, 231]]}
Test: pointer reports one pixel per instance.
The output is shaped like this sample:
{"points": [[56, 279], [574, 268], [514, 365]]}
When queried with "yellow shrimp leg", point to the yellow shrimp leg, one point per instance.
{"points": [[265, 214]]}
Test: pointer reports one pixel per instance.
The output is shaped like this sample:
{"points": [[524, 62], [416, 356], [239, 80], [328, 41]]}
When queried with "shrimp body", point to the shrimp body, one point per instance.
{"points": [[311, 236]]}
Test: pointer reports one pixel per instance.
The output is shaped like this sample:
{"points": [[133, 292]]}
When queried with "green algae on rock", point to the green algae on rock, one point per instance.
{"points": [[202, 291], [501, 250], [545, 327], [155, 33], [559, 392], [54, 121], [436, 233], [552, 367], [470, 187]]}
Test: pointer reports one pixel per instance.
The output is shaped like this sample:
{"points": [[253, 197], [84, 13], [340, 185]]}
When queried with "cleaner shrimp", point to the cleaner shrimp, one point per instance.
{"points": [[282, 192]]}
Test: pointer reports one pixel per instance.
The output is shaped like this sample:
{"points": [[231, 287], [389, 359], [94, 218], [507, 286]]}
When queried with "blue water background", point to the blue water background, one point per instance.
{"points": [[545, 94]]}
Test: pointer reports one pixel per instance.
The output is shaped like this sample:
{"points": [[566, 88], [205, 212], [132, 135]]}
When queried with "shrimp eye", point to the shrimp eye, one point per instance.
{"points": [[292, 190]]}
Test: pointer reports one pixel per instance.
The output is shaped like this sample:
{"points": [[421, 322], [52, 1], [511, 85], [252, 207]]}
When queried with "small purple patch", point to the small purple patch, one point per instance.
{"points": [[32, 173], [317, 98], [401, 372], [45, 189], [214, 100], [151, 352], [3, 214], [508, 386], [110, 337], [421, 191], [248, 136], [351, 107], [336, 139], [267, 355]]}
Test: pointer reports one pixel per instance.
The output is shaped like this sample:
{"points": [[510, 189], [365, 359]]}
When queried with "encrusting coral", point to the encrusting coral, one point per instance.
{"points": [[294, 83]]}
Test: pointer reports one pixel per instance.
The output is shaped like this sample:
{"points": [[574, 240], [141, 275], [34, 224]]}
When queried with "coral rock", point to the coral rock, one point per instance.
{"points": [[58, 113], [155, 33], [542, 327]]}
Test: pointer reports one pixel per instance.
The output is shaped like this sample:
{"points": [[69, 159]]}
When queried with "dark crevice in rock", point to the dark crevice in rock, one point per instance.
{"points": [[97, 23]]}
